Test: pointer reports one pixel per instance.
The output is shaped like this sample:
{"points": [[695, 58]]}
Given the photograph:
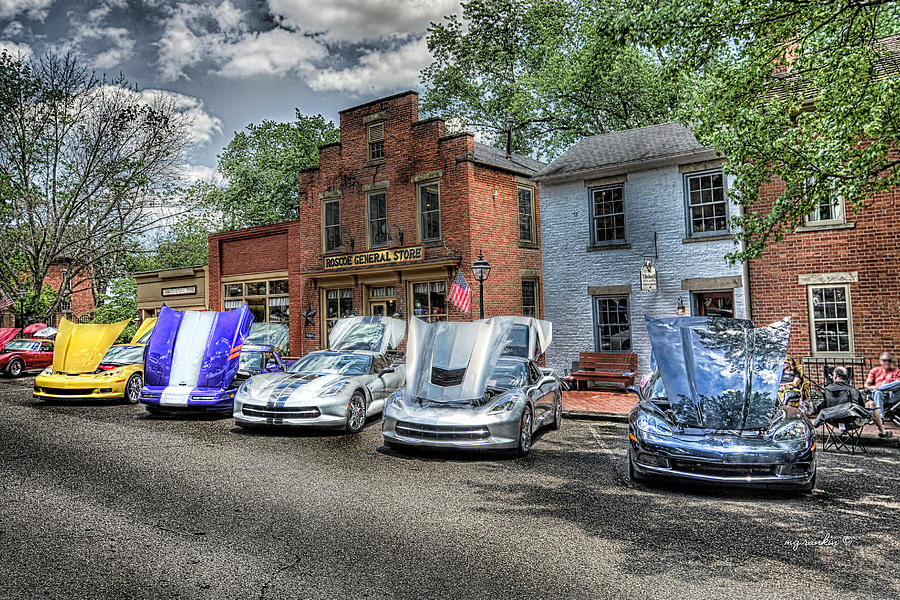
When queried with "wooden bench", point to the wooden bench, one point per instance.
{"points": [[605, 367]]}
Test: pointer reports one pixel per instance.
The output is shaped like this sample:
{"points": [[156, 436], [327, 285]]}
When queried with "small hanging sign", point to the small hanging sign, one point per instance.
{"points": [[648, 277]]}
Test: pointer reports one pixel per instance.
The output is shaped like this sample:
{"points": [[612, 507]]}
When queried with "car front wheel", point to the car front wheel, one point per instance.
{"points": [[526, 430], [557, 413], [15, 367], [133, 389], [356, 412]]}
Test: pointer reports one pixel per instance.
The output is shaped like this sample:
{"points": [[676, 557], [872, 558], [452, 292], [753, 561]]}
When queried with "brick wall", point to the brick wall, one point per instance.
{"points": [[654, 202], [867, 244], [82, 295]]}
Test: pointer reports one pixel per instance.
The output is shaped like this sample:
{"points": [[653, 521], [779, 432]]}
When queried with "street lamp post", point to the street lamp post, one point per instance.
{"points": [[481, 269], [21, 293]]}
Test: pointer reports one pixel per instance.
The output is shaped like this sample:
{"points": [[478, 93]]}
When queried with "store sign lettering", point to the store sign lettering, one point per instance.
{"points": [[180, 291], [376, 257]]}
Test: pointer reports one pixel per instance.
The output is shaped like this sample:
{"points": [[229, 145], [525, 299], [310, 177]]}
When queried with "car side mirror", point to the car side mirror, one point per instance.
{"points": [[385, 371], [243, 373]]}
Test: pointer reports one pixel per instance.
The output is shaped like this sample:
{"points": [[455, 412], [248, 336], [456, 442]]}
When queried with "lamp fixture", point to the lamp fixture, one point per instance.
{"points": [[680, 309]]}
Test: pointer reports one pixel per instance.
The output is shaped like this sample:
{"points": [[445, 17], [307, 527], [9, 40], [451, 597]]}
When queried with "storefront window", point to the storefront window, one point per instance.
{"points": [[267, 300], [338, 304], [430, 300]]}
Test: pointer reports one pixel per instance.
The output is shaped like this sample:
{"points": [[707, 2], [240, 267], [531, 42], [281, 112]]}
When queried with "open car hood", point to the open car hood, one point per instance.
{"points": [[720, 373], [453, 361], [376, 334], [80, 347], [196, 348], [8, 334], [144, 328]]}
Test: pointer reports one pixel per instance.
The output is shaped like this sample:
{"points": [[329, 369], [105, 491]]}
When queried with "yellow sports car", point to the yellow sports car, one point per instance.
{"points": [[86, 366]]}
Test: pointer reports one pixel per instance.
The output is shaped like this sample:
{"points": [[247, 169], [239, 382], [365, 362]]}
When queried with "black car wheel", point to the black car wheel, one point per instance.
{"points": [[15, 368], [356, 412], [133, 389], [557, 413], [526, 430], [809, 487], [632, 474]]}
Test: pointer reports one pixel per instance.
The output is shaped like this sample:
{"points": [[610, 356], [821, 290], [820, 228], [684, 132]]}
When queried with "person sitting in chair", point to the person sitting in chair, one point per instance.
{"points": [[883, 380], [791, 386], [839, 391]]}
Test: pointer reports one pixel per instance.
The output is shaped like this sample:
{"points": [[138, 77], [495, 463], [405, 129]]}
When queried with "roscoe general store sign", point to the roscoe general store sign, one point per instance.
{"points": [[376, 257]]}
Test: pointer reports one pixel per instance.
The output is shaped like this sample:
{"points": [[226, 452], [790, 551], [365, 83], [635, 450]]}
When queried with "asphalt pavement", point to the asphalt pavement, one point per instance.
{"points": [[103, 501]]}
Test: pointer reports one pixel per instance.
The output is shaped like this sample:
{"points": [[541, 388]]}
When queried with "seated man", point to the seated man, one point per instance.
{"points": [[840, 391], [883, 380]]}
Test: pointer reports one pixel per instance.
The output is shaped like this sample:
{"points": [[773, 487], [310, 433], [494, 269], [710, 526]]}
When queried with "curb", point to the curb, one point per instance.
{"points": [[587, 415]]}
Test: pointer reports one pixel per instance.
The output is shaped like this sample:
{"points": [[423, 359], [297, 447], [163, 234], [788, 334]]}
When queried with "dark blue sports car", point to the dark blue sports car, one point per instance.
{"points": [[710, 412]]}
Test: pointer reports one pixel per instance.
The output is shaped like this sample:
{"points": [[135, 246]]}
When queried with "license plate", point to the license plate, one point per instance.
{"points": [[175, 397]]}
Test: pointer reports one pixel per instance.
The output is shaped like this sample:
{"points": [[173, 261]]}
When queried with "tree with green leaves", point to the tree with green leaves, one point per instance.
{"points": [[802, 92], [261, 166], [84, 162], [547, 64], [119, 304]]}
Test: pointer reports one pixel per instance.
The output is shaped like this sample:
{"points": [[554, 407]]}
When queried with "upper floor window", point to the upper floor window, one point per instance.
{"points": [[375, 138], [332, 224], [378, 231], [707, 207], [829, 210], [430, 211], [526, 215], [607, 215]]}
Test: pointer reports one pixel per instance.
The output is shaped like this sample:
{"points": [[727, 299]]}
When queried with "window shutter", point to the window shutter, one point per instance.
{"points": [[376, 132]]}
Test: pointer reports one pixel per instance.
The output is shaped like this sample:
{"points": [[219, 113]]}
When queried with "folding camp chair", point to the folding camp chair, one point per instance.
{"points": [[842, 427]]}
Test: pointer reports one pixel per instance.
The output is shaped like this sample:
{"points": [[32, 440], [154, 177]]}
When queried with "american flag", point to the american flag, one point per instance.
{"points": [[461, 293], [5, 301]]}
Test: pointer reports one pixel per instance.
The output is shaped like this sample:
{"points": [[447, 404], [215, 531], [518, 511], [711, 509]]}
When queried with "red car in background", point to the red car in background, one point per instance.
{"points": [[19, 356]]}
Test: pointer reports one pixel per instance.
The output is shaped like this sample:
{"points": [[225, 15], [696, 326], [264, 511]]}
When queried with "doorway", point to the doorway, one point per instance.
{"points": [[382, 301]]}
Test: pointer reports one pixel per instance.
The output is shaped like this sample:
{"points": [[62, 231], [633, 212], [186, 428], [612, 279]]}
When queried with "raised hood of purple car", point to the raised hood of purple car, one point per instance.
{"points": [[197, 349], [720, 373]]}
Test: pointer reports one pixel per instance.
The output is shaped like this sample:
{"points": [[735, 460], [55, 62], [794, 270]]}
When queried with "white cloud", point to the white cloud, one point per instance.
{"points": [[377, 71], [197, 173], [203, 125], [34, 9], [361, 20], [196, 33], [16, 49], [92, 29]]}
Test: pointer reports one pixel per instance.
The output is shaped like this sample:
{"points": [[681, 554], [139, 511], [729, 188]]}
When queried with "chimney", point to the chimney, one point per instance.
{"points": [[509, 128]]}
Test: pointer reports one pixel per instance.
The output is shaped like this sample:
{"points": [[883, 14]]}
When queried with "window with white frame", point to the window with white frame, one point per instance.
{"points": [[830, 320], [378, 230], [607, 215], [331, 229], [612, 324], [375, 139], [707, 208], [829, 209]]}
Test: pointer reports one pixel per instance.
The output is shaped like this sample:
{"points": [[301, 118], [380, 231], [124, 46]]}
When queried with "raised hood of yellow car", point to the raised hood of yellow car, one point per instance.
{"points": [[145, 326], [80, 347]]}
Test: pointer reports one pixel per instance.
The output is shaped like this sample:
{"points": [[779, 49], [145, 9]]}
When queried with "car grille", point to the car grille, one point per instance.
{"points": [[281, 412], [447, 377], [721, 469], [442, 432], [66, 391]]}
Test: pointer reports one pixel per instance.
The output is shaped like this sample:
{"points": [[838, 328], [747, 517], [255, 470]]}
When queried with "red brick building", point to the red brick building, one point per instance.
{"points": [[386, 220], [838, 277], [78, 291]]}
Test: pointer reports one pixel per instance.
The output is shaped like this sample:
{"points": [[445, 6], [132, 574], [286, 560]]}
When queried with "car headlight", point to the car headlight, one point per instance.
{"points": [[244, 389], [47, 371], [335, 389], [113, 372], [791, 432], [395, 398], [502, 406], [648, 423]]}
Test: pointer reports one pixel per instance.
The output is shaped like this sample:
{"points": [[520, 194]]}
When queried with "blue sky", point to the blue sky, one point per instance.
{"points": [[232, 62]]}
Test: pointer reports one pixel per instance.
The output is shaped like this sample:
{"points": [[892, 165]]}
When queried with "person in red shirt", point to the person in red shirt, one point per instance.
{"points": [[883, 380]]}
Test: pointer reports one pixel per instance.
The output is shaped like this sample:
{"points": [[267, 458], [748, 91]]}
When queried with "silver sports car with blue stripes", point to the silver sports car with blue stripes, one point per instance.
{"points": [[337, 388]]}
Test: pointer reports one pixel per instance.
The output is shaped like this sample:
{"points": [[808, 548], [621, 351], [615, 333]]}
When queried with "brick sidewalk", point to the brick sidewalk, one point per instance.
{"points": [[599, 403]]}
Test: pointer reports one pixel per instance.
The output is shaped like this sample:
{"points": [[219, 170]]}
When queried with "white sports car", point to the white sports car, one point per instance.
{"points": [[336, 388]]}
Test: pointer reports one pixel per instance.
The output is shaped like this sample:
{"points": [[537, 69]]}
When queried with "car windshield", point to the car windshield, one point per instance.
{"points": [[332, 362], [124, 355], [517, 342], [145, 337], [508, 374], [19, 345], [250, 361]]}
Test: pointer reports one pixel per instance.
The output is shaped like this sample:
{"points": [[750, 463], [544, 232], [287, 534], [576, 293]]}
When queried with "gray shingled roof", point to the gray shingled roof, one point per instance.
{"points": [[631, 145], [497, 158]]}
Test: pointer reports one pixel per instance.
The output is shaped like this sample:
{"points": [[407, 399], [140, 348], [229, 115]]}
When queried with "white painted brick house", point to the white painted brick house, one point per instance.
{"points": [[614, 201]]}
